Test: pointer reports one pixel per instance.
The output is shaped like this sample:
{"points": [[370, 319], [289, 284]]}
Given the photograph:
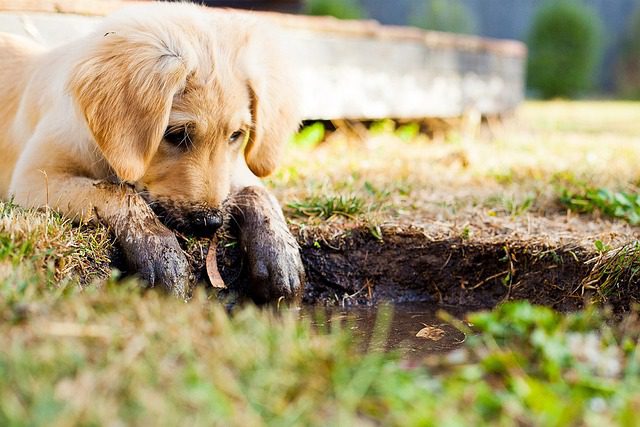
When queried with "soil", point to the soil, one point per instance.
{"points": [[408, 267], [349, 266]]}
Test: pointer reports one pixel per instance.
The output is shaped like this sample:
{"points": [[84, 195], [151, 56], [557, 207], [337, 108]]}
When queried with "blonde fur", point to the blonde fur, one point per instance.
{"points": [[97, 109]]}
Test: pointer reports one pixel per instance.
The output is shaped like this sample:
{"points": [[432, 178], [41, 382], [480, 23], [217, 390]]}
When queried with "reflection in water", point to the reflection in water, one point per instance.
{"points": [[413, 329]]}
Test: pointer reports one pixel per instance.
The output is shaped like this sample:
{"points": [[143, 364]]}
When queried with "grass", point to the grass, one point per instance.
{"points": [[114, 355], [615, 204], [614, 271], [327, 207], [504, 178], [49, 242], [82, 347]]}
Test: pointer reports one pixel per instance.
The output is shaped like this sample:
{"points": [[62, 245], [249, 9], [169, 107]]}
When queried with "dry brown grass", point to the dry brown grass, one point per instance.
{"points": [[500, 179], [44, 243], [114, 355]]}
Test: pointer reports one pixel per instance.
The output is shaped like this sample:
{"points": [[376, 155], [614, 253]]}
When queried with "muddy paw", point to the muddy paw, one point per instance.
{"points": [[158, 260], [273, 256], [274, 263]]}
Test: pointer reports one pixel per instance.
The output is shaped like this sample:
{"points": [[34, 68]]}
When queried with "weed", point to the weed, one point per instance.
{"points": [[466, 232], [518, 207], [376, 232], [327, 207], [554, 256], [615, 204], [601, 247], [503, 177]]}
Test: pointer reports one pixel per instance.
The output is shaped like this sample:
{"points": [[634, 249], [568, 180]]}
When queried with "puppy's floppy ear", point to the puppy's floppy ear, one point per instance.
{"points": [[274, 109], [125, 87]]}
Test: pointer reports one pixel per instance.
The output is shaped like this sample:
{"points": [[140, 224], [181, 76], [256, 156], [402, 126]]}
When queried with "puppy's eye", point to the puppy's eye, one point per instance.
{"points": [[178, 136], [236, 136]]}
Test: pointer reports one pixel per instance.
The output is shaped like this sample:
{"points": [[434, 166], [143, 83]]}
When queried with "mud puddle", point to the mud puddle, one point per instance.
{"points": [[414, 330], [352, 267]]}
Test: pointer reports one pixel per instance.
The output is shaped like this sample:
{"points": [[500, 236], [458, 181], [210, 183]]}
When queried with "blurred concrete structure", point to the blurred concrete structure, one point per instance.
{"points": [[511, 19], [347, 69], [502, 19]]}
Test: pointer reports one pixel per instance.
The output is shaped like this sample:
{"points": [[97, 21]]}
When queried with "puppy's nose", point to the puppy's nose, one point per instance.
{"points": [[206, 223]]}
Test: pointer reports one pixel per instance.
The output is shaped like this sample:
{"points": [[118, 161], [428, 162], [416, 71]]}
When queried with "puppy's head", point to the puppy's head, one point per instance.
{"points": [[178, 100]]}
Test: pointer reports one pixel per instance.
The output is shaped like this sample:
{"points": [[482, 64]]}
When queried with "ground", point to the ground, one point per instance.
{"points": [[473, 216], [494, 204]]}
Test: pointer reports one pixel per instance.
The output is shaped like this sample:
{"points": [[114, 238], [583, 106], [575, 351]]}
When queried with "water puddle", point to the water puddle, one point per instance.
{"points": [[413, 329]]}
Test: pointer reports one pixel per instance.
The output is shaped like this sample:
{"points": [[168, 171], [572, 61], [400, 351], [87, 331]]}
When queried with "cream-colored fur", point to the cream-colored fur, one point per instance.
{"points": [[97, 109]]}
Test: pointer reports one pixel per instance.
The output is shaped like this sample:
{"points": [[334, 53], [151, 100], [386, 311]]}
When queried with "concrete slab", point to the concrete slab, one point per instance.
{"points": [[348, 69]]}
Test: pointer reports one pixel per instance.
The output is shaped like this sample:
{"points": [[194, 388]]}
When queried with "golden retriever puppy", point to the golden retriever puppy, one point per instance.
{"points": [[159, 118]]}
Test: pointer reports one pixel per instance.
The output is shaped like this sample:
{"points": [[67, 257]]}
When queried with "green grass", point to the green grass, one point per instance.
{"points": [[327, 207], [115, 355], [110, 353], [309, 136], [361, 201], [509, 171], [48, 242], [615, 204], [79, 346]]}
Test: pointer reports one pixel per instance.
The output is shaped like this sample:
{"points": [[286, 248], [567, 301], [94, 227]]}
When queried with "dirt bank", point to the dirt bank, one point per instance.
{"points": [[351, 266]]}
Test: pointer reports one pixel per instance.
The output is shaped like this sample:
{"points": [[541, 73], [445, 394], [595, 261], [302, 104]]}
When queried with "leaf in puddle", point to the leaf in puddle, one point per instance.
{"points": [[212, 266], [432, 333]]}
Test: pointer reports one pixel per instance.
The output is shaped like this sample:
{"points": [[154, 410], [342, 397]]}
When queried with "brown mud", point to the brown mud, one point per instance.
{"points": [[353, 267]]}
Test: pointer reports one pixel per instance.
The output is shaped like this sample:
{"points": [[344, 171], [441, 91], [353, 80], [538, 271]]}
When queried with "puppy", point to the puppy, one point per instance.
{"points": [[159, 118]]}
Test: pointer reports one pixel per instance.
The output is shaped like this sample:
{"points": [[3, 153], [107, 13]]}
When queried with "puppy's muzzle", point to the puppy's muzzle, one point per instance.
{"points": [[196, 220], [206, 222]]}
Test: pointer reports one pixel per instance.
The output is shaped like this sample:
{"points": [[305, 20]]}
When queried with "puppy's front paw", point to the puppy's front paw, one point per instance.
{"points": [[274, 263], [273, 255], [158, 259]]}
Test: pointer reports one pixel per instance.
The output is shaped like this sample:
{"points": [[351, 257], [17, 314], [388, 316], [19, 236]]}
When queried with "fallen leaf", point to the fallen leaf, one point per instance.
{"points": [[432, 333], [212, 266]]}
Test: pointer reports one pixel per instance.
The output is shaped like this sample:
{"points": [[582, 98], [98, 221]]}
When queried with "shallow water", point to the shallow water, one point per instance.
{"points": [[393, 327]]}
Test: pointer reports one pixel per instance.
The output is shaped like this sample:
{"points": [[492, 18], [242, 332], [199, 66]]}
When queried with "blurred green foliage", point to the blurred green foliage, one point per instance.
{"points": [[615, 204], [342, 9], [565, 46], [443, 15], [309, 136], [628, 67], [114, 356]]}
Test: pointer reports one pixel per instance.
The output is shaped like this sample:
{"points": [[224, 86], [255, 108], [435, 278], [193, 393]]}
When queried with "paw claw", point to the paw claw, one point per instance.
{"points": [[159, 261]]}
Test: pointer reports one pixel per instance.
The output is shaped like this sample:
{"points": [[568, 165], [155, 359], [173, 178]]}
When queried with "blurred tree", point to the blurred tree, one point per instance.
{"points": [[443, 15], [342, 9], [565, 46], [628, 66]]}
